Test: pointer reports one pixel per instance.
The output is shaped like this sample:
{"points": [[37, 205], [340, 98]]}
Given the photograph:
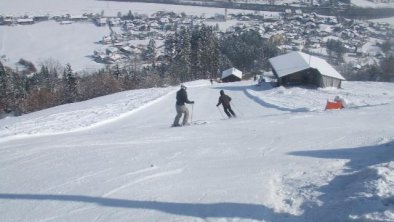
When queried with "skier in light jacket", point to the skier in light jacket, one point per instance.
{"points": [[181, 99]]}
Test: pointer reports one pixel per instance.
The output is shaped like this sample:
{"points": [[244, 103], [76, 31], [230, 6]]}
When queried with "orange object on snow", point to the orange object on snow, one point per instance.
{"points": [[334, 105]]}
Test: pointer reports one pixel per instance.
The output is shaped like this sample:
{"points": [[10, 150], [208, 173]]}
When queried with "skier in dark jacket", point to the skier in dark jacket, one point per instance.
{"points": [[225, 101], [181, 99]]}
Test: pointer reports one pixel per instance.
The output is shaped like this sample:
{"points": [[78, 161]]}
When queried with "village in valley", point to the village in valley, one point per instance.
{"points": [[291, 30]]}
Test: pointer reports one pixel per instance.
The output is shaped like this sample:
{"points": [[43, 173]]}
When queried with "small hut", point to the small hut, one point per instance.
{"points": [[297, 68], [231, 75]]}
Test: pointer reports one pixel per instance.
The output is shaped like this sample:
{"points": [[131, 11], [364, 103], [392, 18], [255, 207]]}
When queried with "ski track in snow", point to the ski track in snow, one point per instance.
{"points": [[77, 180], [145, 170], [143, 179]]}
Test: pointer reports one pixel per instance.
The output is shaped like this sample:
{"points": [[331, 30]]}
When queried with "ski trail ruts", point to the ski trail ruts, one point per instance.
{"points": [[76, 180], [72, 181], [146, 178], [133, 173], [271, 146]]}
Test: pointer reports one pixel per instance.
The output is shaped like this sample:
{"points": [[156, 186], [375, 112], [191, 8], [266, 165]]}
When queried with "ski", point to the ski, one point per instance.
{"points": [[196, 122]]}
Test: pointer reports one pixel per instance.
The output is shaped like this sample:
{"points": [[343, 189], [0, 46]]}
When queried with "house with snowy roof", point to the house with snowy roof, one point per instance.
{"points": [[78, 18], [298, 68], [231, 75], [25, 21]]}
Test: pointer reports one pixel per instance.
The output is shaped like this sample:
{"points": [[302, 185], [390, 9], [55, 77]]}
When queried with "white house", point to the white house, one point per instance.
{"points": [[25, 21]]}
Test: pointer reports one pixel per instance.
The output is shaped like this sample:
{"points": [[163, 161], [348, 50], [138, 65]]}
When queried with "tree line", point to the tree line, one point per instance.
{"points": [[382, 71], [201, 53]]}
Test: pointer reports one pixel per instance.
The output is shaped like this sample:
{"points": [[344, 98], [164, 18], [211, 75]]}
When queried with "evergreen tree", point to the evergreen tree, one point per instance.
{"points": [[42, 78], [130, 15], [245, 50], [209, 52], [4, 88], [210, 60], [151, 52], [215, 64], [169, 48], [196, 66], [182, 58], [12, 90], [117, 72], [387, 66], [70, 82], [335, 47]]}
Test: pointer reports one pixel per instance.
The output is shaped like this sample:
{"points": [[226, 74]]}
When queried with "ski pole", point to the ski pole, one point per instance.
{"points": [[191, 116], [220, 112], [239, 111]]}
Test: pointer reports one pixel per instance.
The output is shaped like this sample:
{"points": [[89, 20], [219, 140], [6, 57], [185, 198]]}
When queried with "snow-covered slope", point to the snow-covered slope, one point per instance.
{"points": [[115, 158]]}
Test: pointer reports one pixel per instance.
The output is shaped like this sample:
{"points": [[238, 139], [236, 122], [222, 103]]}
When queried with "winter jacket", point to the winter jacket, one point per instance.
{"points": [[181, 98], [225, 100]]}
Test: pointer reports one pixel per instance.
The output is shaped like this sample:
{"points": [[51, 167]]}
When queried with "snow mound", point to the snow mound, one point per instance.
{"points": [[375, 190]]}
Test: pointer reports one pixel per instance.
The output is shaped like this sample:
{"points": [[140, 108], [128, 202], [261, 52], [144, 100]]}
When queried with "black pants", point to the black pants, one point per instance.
{"points": [[229, 111]]}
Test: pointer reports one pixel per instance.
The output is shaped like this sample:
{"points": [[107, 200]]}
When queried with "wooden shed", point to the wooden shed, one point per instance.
{"points": [[231, 75], [297, 68]]}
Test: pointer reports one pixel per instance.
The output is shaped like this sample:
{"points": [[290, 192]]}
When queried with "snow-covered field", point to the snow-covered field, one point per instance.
{"points": [[110, 8], [73, 43], [372, 4], [115, 158], [51, 41]]}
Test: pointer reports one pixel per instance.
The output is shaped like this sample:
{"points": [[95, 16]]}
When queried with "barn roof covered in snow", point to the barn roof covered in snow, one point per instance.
{"points": [[297, 61], [231, 71]]}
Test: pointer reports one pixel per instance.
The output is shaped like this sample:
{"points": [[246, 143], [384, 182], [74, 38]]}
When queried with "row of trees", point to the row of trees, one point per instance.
{"points": [[379, 71], [335, 49], [56, 85], [382, 71], [201, 53]]}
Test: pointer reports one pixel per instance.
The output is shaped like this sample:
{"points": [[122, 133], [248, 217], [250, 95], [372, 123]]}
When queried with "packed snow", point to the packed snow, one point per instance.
{"points": [[284, 158]]}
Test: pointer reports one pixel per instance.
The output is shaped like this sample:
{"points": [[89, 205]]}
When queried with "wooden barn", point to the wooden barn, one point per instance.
{"points": [[231, 75], [297, 68]]}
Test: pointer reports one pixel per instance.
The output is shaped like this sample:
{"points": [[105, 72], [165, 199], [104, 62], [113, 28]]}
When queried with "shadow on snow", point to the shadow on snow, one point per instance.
{"points": [[200, 210], [340, 197], [256, 99]]}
